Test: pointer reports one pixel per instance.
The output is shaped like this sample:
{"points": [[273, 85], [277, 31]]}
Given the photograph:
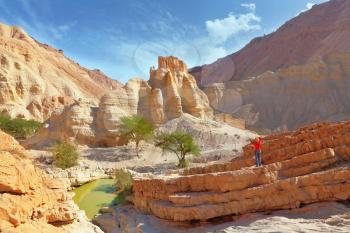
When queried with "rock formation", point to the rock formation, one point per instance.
{"points": [[291, 97], [36, 79], [29, 200], [290, 78], [170, 93], [302, 167]]}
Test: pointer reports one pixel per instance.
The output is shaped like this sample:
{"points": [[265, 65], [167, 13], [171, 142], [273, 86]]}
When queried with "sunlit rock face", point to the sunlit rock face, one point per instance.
{"points": [[178, 90], [300, 167], [170, 93], [288, 98], [29, 200], [36, 79]]}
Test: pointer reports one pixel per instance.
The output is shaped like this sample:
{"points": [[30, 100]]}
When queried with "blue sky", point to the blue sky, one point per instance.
{"points": [[124, 38]]}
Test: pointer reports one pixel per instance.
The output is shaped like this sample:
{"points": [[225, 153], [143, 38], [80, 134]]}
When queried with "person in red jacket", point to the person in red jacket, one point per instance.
{"points": [[257, 150]]}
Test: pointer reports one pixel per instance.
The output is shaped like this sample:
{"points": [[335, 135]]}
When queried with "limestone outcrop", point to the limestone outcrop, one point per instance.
{"points": [[170, 93], [302, 167], [288, 98], [36, 79], [29, 200]]}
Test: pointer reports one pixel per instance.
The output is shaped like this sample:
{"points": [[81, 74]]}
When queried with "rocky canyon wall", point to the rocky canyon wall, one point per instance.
{"points": [[288, 98], [170, 93], [36, 79]]}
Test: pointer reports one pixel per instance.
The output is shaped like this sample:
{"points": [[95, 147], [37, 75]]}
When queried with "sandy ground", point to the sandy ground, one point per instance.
{"points": [[217, 141], [151, 160], [117, 157]]}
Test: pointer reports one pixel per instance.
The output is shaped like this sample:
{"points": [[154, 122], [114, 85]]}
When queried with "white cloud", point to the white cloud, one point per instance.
{"points": [[222, 29], [135, 57], [67, 27], [309, 5], [250, 6]]}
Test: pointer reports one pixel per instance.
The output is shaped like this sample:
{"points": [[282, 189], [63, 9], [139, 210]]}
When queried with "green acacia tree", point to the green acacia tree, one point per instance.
{"points": [[136, 129], [181, 144]]}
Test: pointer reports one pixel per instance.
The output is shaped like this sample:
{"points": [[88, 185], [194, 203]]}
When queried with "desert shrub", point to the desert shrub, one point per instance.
{"points": [[135, 129], [123, 181], [65, 155], [19, 128], [181, 144]]}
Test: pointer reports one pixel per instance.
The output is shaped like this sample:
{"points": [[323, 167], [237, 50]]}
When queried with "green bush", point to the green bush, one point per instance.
{"points": [[19, 128], [123, 181], [65, 155]]}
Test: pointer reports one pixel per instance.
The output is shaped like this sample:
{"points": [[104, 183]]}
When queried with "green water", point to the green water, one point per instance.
{"points": [[93, 196]]}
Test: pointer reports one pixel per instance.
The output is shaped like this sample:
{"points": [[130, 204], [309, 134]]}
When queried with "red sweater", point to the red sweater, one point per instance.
{"points": [[257, 144]]}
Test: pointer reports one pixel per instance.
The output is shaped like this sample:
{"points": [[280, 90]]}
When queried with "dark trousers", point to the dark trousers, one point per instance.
{"points": [[258, 158]]}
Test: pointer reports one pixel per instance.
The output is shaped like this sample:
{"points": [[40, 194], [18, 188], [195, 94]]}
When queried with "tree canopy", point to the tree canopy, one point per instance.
{"points": [[178, 143], [136, 129]]}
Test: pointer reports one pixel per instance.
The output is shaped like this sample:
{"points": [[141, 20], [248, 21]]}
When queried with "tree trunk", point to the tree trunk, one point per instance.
{"points": [[182, 161], [137, 149]]}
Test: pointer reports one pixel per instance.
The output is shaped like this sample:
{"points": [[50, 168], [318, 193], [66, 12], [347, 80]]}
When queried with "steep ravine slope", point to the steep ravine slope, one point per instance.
{"points": [[35, 78]]}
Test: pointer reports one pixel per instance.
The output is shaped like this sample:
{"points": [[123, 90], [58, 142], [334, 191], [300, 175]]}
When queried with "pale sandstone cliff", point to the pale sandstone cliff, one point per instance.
{"points": [[170, 93], [36, 79], [306, 166], [290, 97], [29, 200]]}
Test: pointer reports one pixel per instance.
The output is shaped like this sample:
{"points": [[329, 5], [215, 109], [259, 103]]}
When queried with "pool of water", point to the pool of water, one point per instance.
{"points": [[93, 196]]}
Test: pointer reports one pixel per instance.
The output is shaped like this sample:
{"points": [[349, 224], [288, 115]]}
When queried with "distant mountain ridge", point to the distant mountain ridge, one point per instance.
{"points": [[322, 30]]}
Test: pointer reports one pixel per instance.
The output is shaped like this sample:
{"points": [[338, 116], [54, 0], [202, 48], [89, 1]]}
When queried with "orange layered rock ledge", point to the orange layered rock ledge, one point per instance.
{"points": [[30, 201], [306, 166]]}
